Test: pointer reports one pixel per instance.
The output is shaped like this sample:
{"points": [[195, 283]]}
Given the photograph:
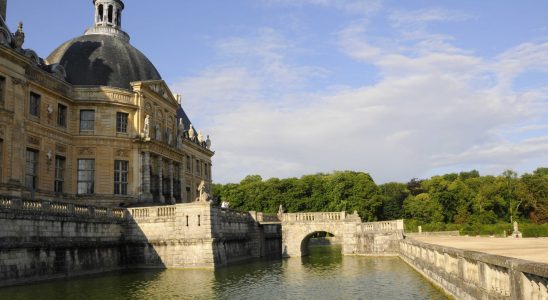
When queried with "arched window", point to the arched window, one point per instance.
{"points": [[118, 18], [100, 13], [110, 11]]}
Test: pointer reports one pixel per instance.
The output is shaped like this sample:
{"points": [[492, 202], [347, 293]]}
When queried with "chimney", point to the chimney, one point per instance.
{"points": [[3, 8]]}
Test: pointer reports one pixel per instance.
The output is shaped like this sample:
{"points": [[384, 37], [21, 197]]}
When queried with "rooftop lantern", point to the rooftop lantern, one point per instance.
{"points": [[108, 18]]}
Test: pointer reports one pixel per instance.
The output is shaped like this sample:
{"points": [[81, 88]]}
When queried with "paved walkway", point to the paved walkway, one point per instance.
{"points": [[533, 249]]}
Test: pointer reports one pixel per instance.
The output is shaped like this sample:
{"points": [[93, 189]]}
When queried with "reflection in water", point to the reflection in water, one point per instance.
{"points": [[325, 274]]}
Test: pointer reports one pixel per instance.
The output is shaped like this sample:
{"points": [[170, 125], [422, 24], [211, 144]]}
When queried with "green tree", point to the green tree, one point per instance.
{"points": [[423, 208]]}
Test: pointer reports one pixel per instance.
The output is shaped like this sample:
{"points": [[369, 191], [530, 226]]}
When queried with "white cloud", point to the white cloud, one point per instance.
{"points": [[349, 6], [437, 107]]}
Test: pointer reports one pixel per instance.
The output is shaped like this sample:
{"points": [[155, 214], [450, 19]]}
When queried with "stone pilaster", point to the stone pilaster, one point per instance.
{"points": [[146, 195], [160, 180], [182, 181], [171, 199]]}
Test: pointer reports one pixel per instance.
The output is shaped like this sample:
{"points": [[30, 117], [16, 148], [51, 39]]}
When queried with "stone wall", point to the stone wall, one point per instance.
{"points": [[42, 240], [474, 275], [373, 238], [45, 240], [199, 235]]}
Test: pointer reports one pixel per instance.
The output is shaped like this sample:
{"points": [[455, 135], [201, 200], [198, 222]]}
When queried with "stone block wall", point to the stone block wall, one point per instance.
{"points": [[373, 238], [45, 240], [199, 235], [474, 275]]}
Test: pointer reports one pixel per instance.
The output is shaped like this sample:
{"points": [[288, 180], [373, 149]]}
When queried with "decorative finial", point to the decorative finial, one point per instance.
{"points": [[19, 36]]}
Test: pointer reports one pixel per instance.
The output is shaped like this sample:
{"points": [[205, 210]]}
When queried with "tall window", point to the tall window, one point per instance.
{"points": [[120, 177], [121, 122], [87, 120], [34, 105], [188, 164], [59, 174], [86, 176], [31, 171], [2, 89], [197, 168], [61, 115]]}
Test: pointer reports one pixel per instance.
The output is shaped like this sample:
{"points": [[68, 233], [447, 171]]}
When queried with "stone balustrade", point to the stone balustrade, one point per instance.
{"points": [[314, 217], [475, 275], [382, 226], [54, 208]]}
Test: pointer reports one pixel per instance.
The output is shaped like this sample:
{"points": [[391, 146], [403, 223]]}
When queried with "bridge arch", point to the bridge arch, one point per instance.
{"points": [[305, 243], [298, 228]]}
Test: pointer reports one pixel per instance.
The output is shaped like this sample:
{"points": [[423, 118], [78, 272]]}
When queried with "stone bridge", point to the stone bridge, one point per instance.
{"points": [[356, 237]]}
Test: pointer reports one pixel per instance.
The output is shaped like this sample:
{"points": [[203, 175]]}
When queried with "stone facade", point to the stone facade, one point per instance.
{"points": [[87, 144]]}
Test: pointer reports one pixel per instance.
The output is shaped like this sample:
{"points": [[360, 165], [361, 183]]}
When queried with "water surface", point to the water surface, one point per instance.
{"points": [[325, 274]]}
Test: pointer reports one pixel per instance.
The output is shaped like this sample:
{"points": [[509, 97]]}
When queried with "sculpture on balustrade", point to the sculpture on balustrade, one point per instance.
{"points": [[191, 133], [181, 126], [146, 128], [180, 142], [19, 37], [204, 196], [200, 138], [280, 210], [208, 142]]}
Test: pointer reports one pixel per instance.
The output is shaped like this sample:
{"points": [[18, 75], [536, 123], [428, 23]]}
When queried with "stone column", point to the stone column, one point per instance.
{"points": [[146, 195], [182, 182], [171, 186], [160, 180]]}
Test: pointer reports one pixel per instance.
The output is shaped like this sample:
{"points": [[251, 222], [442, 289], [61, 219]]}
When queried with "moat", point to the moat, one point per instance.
{"points": [[325, 274]]}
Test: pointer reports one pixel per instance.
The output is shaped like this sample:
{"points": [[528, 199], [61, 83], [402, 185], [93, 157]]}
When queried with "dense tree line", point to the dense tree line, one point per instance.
{"points": [[460, 198]]}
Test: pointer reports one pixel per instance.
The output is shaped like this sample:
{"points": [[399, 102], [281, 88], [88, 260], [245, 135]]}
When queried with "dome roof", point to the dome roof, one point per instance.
{"points": [[103, 60]]}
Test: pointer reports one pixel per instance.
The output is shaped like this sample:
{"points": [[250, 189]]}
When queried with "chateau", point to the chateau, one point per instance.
{"points": [[94, 123]]}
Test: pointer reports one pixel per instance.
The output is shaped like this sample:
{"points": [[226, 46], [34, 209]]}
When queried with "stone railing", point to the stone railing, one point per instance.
{"points": [[382, 226], [314, 217], [153, 212], [60, 208], [475, 275]]}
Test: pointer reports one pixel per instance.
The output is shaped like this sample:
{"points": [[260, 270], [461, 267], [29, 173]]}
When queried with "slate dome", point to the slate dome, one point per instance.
{"points": [[103, 60]]}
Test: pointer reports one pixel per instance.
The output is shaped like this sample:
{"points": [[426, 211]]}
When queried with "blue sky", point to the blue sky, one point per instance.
{"points": [[399, 89]]}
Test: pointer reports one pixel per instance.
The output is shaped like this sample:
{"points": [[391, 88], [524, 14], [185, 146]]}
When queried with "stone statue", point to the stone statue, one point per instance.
{"points": [[208, 142], [200, 138], [180, 142], [169, 137], [225, 205], [203, 194], [146, 127], [158, 132], [280, 210], [19, 37], [181, 126], [516, 226], [191, 133], [516, 233]]}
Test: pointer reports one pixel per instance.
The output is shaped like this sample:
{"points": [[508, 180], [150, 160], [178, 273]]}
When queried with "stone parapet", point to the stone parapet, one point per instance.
{"points": [[474, 275], [21, 208]]}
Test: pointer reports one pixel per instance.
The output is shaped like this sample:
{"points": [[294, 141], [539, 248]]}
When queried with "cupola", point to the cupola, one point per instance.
{"points": [[108, 18]]}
